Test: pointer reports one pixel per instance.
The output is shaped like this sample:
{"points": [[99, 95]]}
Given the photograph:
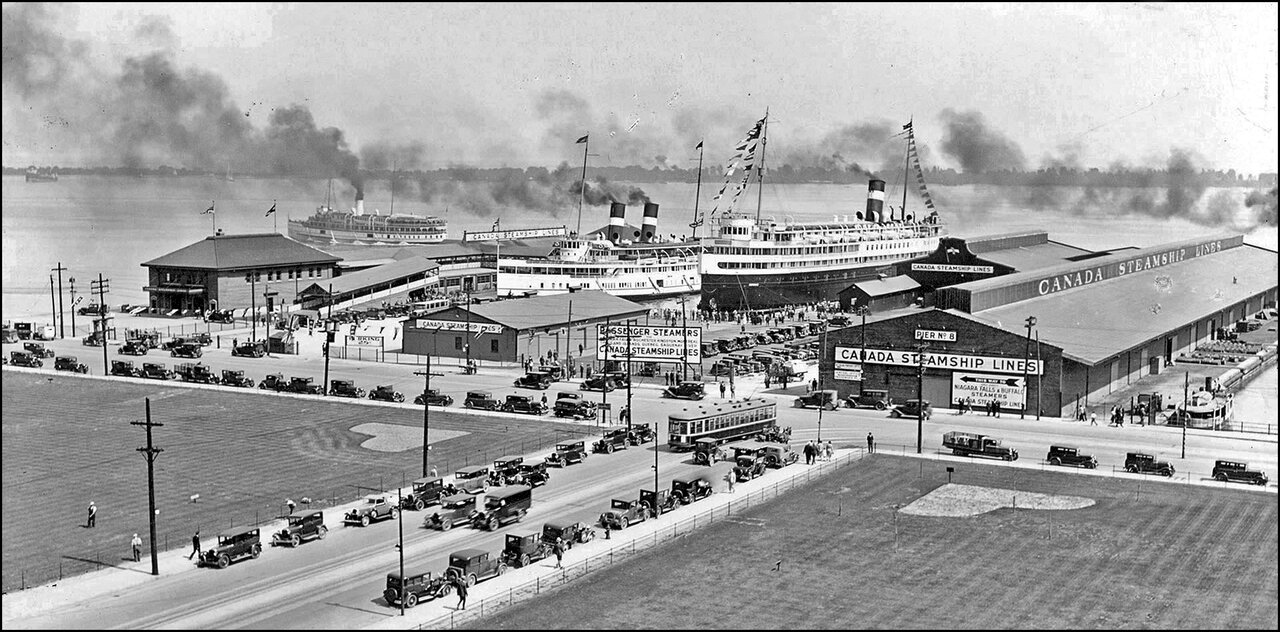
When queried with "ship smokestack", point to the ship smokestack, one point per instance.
{"points": [[617, 220], [649, 227], [360, 203], [875, 201]]}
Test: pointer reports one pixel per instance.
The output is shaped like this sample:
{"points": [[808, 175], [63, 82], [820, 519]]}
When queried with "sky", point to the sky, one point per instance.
{"points": [[987, 86]]}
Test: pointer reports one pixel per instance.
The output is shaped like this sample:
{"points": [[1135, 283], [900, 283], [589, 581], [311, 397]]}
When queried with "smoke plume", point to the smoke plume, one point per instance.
{"points": [[978, 148]]}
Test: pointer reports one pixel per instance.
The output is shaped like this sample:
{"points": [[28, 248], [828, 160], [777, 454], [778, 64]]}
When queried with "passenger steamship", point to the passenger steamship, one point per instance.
{"points": [[331, 226]]}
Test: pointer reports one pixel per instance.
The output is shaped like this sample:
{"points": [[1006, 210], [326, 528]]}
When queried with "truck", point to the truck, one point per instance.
{"points": [[970, 444]]}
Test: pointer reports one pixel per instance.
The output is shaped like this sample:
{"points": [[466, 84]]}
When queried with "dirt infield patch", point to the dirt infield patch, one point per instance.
{"points": [[395, 438], [956, 501]]}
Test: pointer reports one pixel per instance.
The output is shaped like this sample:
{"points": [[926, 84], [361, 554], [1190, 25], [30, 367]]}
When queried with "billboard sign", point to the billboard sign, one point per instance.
{"points": [[649, 344], [900, 357], [457, 325], [496, 235], [1010, 390], [364, 341]]}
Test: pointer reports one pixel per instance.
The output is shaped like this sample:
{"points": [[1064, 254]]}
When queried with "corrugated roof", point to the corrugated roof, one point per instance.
{"points": [[380, 275], [553, 310], [233, 252], [1003, 241], [1024, 258], [1095, 322], [890, 285]]}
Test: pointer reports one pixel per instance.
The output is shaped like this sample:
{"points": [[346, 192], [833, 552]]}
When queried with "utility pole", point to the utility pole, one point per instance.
{"points": [[568, 329], [150, 452], [426, 407], [684, 332], [400, 547], [330, 332], [252, 278], [1185, 416], [53, 303], [1039, 378], [630, 324], [466, 338], [73, 307], [920, 349], [604, 388], [101, 287], [267, 296], [62, 317], [1026, 368], [822, 354]]}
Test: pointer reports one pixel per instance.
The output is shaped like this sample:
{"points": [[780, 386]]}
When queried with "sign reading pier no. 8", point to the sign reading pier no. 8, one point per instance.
{"points": [[649, 344]]}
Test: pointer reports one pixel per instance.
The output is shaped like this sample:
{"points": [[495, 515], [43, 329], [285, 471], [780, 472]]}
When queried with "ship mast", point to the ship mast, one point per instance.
{"points": [[906, 173], [393, 188], [764, 132], [582, 186], [697, 192]]}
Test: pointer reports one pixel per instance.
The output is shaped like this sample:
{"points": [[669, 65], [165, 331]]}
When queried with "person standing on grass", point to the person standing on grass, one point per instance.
{"points": [[93, 515], [136, 543]]}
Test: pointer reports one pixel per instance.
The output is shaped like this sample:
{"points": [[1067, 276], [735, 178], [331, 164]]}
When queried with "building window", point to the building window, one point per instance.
{"points": [[457, 343], [493, 346]]}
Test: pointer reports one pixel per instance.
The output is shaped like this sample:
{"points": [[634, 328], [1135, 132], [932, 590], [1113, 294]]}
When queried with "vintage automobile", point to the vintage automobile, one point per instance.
{"points": [[568, 454], [473, 478], [910, 409], [707, 451], [1142, 463], [273, 382], [195, 372], [433, 397], [612, 439], [534, 474], [523, 405], [869, 398], [659, 503], [304, 386], [233, 545], [623, 513], [778, 455], [572, 532], [374, 507], [220, 316], [774, 434], [202, 338], [505, 470], [1069, 455], [157, 371], [482, 400], [641, 433], [70, 363], [748, 467], [473, 565], [556, 372], [575, 407], [303, 525], [344, 388], [92, 309], [386, 393], [249, 350], [838, 321], [686, 390], [37, 349], [125, 368], [235, 377], [523, 550], [687, 489], [134, 347], [187, 350], [536, 380], [25, 358], [1237, 471], [453, 511], [602, 382], [503, 505], [826, 400], [418, 585], [94, 339], [427, 491]]}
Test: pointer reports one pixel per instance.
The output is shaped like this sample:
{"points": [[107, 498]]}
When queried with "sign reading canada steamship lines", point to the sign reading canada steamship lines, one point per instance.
{"points": [[993, 364], [495, 235]]}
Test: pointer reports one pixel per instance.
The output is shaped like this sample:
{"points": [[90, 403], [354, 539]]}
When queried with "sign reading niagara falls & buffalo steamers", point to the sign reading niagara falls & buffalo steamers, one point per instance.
{"points": [[649, 344], [993, 364], [1010, 390]]}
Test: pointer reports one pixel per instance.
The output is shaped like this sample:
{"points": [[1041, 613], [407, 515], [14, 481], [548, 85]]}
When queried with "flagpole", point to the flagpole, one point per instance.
{"points": [[698, 192], [582, 190], [764, 132], [906, 172]]}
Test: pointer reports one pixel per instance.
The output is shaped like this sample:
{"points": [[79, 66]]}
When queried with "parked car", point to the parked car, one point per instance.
{"points": [[473, 478], [869, 398], [203, 338], [233, 545], [523, 550], [249, 350], [70, 363], [94, 339], [686, 390], [568, 453], [386, 393], [196, 372], [575, 407], [302, 525], [838, 321], [124, 368], [599, 383], [37, 349], [503, 505], [910, 409], [344, 388], [612, 439], [25, 358], [1142, 463], [826, 399], [536, 380], [374, 507], [778, 455], [534, 474], [1238, 471], [505, 470], [687, 489], [418, 585], [572, 532], [454, 510], [623, 513], [220, 316], [187, 350], [433, 397], [232, 377], [427, 491], [774, 434], [304, 386], [641, 433], [657, 503], [706, 451], [481, 400], [524, 405], [1070, 455], [273, 382], [748, 467], [473, 565], [157, 371], [92, 309], [134, 347]]}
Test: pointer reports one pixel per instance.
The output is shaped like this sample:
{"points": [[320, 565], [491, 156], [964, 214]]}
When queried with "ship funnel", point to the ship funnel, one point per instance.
{"points": [[649, 226], [359, 204], [617, 220], [875, 201]]}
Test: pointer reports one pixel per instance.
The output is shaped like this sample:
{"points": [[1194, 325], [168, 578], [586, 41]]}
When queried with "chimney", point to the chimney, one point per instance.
{"points": [[360, 202], [649, 227], [875, 201], [617, 215]]}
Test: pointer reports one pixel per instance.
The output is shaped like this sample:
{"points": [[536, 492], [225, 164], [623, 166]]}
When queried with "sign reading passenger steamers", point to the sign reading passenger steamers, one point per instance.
{"points": [[649, 344], [994, 364]]}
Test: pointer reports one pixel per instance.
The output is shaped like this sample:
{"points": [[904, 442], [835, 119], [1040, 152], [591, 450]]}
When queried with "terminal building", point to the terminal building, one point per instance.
{"points": [[1047, 326]]}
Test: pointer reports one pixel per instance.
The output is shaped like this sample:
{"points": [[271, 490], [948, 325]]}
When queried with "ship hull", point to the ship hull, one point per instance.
{"points": [[766, 291], [309, 234], [649, 285]]}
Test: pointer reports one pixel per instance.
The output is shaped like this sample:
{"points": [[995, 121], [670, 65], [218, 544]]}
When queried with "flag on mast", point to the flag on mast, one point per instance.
{"points": [[699, 146], [581, 140], [271, 210], [497, 223], [209, 211]]}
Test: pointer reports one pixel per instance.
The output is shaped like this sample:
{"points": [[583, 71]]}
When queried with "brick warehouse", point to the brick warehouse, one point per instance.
{"points": [[1102, 323]]}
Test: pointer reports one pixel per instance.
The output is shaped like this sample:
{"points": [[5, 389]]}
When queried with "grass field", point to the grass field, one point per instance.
{"points": [[67, 441], [1145, 555]]}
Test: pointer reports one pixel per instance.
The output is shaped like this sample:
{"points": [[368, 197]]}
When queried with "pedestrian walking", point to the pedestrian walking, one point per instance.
{"points": [[829, 451], [559, 548], [1093, 419], [93, 515], [462, 593], [871, 443], [808, 453], [813, 385], [721, 397], [195, 545], [733, 391], [136, 543]]}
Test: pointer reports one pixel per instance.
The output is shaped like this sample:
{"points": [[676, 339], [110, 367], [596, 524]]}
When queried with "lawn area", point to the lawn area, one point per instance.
{"points": [[67, 441], [1143, 555]]}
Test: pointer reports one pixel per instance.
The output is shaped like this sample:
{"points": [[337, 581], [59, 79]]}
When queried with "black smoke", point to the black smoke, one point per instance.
{"points": [[977, 147], [1264, 204]]}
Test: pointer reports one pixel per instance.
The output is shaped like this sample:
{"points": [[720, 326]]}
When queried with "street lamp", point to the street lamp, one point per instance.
{"points": [[1026, 368], [920, 350]]}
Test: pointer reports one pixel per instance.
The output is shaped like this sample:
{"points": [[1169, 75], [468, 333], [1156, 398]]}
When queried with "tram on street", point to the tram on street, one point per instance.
{"points": [[721, 421]]}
